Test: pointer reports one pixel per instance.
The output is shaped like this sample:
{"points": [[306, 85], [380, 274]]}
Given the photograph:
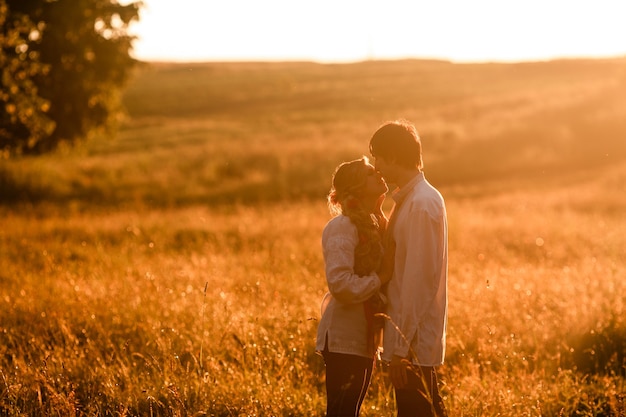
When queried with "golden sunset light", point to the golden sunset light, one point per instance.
{"points": [[352, 30], [313, 208]]}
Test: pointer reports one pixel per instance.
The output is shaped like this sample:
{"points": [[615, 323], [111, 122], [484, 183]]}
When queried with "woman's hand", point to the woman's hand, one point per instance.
{"points": [[378, 208]]}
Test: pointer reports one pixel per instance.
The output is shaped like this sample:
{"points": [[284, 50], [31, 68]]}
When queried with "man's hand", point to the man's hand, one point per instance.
{"points": [[387, 264], [398, 371]]}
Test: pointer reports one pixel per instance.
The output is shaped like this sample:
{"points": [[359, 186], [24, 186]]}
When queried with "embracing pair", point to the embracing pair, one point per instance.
{"points": [[385, 274]]}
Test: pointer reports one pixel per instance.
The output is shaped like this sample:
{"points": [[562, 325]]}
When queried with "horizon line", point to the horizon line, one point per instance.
{"points": [[157, 60]]}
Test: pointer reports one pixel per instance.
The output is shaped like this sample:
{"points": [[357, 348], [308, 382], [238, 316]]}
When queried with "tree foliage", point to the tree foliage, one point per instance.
{"points": [[23, 115], [63, 65]]}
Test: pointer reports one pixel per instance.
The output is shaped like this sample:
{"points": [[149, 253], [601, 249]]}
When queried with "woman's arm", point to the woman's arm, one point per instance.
{"points": [[338, 242]]}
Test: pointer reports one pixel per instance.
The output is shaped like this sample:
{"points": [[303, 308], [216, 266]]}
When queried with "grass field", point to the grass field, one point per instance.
{"points": [[176, 269]]}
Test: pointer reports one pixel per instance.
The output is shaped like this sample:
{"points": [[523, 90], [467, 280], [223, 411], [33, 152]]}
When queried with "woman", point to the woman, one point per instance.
{"points": [[355, 272]]}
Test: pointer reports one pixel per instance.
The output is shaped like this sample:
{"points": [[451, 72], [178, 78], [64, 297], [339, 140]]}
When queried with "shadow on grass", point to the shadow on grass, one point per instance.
{"points": [[30, 190], [600, 351], [13, 191], [241, 183]]}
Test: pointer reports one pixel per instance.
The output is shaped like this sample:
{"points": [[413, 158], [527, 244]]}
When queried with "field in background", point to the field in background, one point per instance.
{"points": [[218, 133], [176, 270]]}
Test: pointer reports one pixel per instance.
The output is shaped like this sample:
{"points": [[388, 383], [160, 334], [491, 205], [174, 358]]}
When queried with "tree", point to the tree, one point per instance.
{"points": [[23, 119], [67, 62]]}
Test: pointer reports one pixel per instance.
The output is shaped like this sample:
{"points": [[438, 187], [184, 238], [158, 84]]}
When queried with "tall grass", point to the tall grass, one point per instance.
{"points": [[106, 313], [177, 270]]}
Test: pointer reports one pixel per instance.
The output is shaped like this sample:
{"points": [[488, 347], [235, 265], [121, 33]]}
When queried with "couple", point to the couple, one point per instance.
{"points": [[399, 265]]}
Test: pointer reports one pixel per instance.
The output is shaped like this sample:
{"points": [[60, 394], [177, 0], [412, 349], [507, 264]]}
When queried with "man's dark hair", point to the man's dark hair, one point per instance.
{"points": [[398, 142]]}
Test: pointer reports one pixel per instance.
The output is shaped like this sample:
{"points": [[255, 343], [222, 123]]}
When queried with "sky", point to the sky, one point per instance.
{"points": [[357, 30]]}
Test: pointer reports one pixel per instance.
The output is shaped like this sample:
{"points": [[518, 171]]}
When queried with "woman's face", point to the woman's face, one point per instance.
{"points": [[375, 185]]}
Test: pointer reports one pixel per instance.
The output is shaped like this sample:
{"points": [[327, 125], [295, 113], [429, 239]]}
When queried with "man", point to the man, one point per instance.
{"points": [[414, 338]]}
